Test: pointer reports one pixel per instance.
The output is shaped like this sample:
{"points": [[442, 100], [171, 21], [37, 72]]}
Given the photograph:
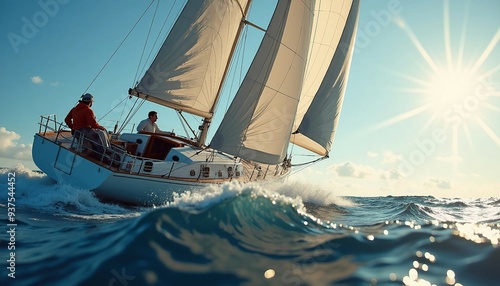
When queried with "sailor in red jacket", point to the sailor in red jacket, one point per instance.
{"points": [[82, 119]]}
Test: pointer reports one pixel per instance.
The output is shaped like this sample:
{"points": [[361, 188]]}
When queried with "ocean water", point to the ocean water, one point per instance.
{"points": [[244, 235]]}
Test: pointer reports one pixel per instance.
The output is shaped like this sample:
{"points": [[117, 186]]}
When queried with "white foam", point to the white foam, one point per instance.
{"points": [[214, 194], [37, 191], [311, 193]]}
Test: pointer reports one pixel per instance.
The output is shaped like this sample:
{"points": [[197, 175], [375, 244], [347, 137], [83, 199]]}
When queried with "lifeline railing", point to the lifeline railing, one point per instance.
{"points": [[110, 155], [45, 120]]}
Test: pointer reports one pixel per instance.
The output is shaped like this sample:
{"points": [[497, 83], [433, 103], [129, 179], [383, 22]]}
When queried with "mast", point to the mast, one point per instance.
{"points": [[207, 120]]}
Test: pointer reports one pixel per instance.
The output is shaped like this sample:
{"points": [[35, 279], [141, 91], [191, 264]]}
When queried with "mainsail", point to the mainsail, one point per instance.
{"points": [[326, 80], [189, 68]]}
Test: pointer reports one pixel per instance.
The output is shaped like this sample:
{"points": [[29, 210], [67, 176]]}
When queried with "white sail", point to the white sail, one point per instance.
{"points": [[189, 68], [326, 79], [258, 124]]}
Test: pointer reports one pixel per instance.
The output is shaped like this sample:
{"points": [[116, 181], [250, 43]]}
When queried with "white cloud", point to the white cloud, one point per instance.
{"points": [[387, 156], [345, 170], [450, 159], [56, 83], [36, 79], [393, 174], [438, 183], [10, 148], [352, 179], [390, 157], [352, 170]]}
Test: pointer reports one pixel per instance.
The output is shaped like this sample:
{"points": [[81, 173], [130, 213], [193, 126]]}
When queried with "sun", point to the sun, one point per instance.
{"points": [[446, 89], [455, 96]]}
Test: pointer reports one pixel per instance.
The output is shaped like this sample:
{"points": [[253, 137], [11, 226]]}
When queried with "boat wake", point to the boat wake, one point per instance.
{"points": [[35, 190]]}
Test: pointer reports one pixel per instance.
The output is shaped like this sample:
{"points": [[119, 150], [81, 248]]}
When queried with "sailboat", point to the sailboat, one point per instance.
{"points": [[292, 93]]}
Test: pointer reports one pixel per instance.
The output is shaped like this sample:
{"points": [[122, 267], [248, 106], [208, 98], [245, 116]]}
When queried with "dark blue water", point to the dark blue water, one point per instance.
{"points": [[246, 235]]}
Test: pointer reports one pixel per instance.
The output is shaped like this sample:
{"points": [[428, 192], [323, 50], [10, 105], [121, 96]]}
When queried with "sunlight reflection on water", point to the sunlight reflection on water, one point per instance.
{"points": [[426, 261], [413, 274], [478, 233]]}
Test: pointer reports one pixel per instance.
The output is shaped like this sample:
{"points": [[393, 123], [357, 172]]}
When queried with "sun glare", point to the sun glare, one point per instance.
{"points": [[455, 96], [447, 88]]}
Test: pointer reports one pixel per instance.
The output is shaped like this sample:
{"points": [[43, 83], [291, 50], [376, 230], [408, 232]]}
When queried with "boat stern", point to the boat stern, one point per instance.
{"points": [[66, 166]]}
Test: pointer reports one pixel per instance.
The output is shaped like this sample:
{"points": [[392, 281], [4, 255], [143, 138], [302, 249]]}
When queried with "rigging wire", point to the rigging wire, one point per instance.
{"points": [[123, 109], [310, 162], [237, 68], [147, 38], [116, 50], [131, 113], [306, 165], [112, 109], [184, 122], [128, 117]]}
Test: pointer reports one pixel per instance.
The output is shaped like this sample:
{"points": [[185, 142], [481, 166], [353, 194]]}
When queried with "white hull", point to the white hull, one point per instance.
{"points": [[68, 167], [139, 190], [131, 180]]}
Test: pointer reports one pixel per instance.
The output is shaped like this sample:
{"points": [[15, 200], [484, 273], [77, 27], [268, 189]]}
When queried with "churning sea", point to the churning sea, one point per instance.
{"points": [[234, 234]]}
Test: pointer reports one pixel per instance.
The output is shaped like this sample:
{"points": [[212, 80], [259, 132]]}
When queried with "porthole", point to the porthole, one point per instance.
{"points": [[148, 167], [205, 171]]}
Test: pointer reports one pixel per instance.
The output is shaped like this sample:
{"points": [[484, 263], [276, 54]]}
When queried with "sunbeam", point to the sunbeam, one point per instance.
{"points": [[403, 116], [447, 41], [455, 94], [486, 52], [425, 55], [487, 129]]}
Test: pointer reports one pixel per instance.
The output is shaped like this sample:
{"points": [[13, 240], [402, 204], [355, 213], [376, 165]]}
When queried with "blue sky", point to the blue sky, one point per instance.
{"points": [[421, 114]]}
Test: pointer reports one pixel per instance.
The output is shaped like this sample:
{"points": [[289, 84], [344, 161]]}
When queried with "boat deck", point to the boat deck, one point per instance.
{"points": [[66, 140], [251, 171], [63, 137]]}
